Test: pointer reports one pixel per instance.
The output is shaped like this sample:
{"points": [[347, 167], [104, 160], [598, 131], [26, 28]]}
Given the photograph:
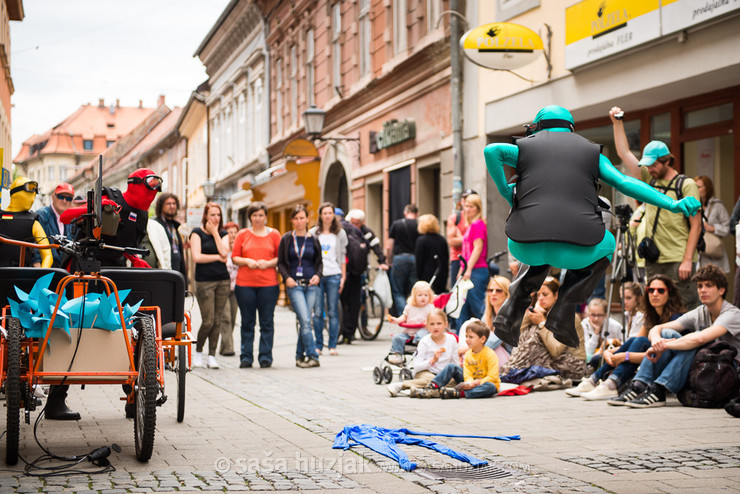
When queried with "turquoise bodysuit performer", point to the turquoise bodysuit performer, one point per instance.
{"points": [[555, 219]]}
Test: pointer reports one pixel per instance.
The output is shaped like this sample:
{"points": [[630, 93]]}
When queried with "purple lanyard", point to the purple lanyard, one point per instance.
{"points": [[303, 247]]}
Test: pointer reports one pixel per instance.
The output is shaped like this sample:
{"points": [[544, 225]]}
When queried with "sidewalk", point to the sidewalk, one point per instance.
{"points": [[272, 429]]}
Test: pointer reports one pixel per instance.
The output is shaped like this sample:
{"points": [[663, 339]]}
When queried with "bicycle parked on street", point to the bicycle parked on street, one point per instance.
{"points": [[372, 310]]}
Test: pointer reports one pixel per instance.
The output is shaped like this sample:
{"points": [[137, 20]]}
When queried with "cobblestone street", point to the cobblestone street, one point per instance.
{"points": [[272, 430]]}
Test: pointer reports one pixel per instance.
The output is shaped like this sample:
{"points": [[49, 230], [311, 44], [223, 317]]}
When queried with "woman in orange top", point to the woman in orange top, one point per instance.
{"points": [[255, 253]]}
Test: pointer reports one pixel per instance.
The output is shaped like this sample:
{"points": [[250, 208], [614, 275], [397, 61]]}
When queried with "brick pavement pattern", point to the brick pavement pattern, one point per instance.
{"points": [[272, 430]]}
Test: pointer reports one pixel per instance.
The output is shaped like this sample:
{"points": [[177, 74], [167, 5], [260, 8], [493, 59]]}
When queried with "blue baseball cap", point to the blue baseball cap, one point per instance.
{"points": [[338, 211], [653, 151]]}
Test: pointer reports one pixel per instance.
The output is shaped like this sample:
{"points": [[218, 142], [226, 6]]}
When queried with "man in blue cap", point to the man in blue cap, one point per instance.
{"points": [[675, 235]]}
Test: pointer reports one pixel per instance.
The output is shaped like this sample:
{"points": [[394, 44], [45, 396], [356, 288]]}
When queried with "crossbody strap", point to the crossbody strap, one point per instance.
{"points": [[657, 215]]}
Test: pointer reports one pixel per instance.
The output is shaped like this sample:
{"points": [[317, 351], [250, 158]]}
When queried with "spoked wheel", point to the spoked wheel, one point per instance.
{"points": [[13, 391], [371, 317], [181, 368], [387, 374], [145, 394]]}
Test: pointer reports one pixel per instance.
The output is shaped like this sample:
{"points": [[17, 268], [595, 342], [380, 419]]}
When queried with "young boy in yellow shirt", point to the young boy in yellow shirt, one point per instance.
{"points": [[478, 378]]}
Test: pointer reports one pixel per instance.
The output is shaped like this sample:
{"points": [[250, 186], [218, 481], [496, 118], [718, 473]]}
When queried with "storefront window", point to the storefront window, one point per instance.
{"points": [[660, 128], [706, 116]]}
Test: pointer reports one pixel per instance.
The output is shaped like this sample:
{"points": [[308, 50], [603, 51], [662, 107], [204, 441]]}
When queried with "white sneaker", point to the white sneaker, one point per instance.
{"points": [[197, 359], [395, 388], [601, 392], [213, 363], [395, 359], [585, 386]]}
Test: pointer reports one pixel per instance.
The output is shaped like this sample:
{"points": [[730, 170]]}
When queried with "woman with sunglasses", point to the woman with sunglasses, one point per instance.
{"points": [[300, 264], [662, 304], [496, 294], [538, 346], [209, 246]]}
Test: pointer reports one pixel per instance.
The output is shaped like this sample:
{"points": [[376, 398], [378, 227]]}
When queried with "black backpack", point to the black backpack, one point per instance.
{"points": [[357, 250], [713, 380]]}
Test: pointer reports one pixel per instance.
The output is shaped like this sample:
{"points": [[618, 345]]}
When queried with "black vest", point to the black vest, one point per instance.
{"points": [[131, 229], [16, 225], [556, 195]]}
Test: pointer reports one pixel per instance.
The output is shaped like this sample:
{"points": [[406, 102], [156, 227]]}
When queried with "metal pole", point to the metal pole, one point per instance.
{"points": [[456, 90]]}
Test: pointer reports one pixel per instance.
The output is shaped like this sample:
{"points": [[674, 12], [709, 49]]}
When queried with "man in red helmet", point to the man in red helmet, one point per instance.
{"points": [[143, 186]]}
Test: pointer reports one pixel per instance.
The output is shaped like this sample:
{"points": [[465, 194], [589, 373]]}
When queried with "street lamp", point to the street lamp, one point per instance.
{"points": [[313, 120], [209, 188]]}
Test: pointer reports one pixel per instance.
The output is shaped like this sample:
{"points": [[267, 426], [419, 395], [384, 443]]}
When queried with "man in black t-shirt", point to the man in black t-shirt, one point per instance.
{"points": [[401, 244]]}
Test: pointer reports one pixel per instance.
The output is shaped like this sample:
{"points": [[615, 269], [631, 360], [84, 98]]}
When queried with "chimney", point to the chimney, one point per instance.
{"points": [[160, 101], [101, 103], [118, 103], [141, 103]]}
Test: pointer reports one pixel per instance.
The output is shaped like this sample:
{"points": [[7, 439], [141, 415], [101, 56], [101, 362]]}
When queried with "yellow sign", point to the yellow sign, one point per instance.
{"points": [[501, 45], [595, 18], [301, 148]]}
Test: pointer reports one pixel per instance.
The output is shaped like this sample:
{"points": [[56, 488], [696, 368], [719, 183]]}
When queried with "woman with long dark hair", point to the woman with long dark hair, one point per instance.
{"points": [[716, 221], [333, 240], [300, 264], [209, 246], [662, 303]]}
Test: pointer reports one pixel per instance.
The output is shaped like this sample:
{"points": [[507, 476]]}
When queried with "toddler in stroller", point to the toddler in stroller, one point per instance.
{"points": [[412, 321]]}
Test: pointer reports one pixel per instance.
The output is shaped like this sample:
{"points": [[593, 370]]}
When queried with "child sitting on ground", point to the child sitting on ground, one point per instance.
{"points": [[479, 376], [414, 317], [434, 352]]}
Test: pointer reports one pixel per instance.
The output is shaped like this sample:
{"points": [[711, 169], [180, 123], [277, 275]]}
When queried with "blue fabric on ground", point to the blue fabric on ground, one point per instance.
{"points": [[517, 376], [385, 442]]}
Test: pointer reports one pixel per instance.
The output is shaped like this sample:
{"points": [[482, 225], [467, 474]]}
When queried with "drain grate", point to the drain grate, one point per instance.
{"points": [[486, 472]]}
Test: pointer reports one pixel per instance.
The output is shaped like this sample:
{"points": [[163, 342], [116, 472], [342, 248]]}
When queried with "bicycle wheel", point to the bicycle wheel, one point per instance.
{"points": [[374, 311], [13, 391], [181, 369], [145, 397]]}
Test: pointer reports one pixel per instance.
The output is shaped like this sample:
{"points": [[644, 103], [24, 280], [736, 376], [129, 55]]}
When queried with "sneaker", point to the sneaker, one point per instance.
{"points": [[601, 392], [450, 393], [425, 392], [301, 362], [245, 365], [312, 362], [653, 397], [198, 359], [333, 351], [264, 364], [395, 359], [395, 388], [213, 363], [585, 386], [635, 389]]}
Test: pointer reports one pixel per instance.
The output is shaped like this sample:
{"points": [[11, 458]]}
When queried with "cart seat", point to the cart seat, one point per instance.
{"points": [[163, 288], [24, 278]]}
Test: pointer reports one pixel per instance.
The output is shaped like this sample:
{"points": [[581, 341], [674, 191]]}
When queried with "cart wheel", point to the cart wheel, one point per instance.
{"points": [[377, 375], [181, 369], [13, 391], [404, 375], [387, 374], [145, 394]]}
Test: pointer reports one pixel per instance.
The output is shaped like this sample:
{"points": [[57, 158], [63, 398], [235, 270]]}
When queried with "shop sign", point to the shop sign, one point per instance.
{"points": [[501, 45], [595, 29], [394, 132], [678, 15]]}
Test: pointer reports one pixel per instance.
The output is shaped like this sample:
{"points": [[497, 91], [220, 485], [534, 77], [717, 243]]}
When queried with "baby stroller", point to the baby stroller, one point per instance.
{"points": [[384, 371]]}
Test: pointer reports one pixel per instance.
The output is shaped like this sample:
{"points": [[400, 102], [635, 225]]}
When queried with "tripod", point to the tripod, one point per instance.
{"points": [[624, 262]]}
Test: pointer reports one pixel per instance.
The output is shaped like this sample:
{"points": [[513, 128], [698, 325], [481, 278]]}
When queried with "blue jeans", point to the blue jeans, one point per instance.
{"points": [[625, 370], [252, 299], [455, 372], [403, 277], [330, 289], [400, 339], [303, 300], [672, 368], [476, 299]]}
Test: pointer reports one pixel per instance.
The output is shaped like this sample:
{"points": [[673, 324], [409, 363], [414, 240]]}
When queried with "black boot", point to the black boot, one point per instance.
{"points": [[509, 317], [56, 408], [577, 286]]}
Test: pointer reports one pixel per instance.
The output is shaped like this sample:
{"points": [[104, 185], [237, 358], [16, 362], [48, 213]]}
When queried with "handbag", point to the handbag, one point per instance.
{"points": [[458, 295], [382, 287], [714, 248]]}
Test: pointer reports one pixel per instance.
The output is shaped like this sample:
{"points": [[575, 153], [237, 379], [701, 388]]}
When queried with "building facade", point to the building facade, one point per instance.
{"points": [[10, 10]]}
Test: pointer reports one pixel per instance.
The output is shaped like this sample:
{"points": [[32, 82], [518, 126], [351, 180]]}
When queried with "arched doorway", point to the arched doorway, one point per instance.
{"points": [[335, 188]]}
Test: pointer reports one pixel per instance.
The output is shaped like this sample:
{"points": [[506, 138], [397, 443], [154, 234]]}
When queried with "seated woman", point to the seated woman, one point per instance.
{"points": [[498, 292], [538, 346], [662, 304]]}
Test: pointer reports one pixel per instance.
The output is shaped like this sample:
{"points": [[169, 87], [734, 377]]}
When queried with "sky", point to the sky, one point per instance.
{"points": [[66, 53]]}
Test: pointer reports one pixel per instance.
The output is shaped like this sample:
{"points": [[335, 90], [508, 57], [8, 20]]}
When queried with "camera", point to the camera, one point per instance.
{"points": [[623, 212]]}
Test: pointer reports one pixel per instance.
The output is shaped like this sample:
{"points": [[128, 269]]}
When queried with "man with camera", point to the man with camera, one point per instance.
{"points": [[669, 247]]}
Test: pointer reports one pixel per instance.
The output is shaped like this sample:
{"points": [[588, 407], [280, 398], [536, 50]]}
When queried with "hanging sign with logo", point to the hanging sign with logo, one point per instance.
{"points": [[501, 45], [595, 29], [394, 132]]}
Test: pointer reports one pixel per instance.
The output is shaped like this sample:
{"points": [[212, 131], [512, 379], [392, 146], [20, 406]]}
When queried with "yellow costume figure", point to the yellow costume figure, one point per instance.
{"points": [[19, 223]]}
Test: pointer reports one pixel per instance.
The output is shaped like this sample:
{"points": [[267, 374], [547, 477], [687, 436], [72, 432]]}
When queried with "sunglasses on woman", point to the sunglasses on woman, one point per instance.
{"points": [[656, 290], [497, 290], [152, 182]]}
